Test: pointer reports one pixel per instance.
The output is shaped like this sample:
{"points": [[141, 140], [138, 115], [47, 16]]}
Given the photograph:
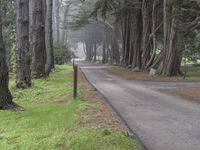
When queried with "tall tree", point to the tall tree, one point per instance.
{"points": [[23, 54], [170, 65], [57, 4], [153, 33], [137, 38], [38, 38], [65, 22], [5, 95], [49, 37], [147, 41]]}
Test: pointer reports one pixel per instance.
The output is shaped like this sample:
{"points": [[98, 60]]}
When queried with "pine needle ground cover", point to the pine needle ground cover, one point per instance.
{"points": [[193, 74], [53, 120]]}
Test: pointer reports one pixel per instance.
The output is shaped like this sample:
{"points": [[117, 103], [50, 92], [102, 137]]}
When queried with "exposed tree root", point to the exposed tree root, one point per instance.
{"points": [[12, 106]]}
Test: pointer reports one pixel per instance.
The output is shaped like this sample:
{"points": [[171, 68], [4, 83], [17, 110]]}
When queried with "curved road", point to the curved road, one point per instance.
{"points": [[161, 121]]}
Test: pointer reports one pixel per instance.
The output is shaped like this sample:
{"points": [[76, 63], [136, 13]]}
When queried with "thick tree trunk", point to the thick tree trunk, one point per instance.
{"points": [[23, 79], [38, 39], [137, 40], [170, 65], [115, 45], [127, 55], [5, 95], [153, 55], [146, 41], [104, 49], [49, 37], [89, 51], [132, 37]]}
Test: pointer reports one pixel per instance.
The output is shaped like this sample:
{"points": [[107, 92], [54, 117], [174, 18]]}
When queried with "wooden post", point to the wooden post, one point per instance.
{"points": [[75, 80], [73, 61], [185, 65]]}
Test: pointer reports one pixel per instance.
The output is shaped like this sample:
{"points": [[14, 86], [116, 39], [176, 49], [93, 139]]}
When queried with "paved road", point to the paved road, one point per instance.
{"points": [[161, 121]]}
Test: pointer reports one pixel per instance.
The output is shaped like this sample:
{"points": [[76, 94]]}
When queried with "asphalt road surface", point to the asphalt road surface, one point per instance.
{"points": [[160, 121]]}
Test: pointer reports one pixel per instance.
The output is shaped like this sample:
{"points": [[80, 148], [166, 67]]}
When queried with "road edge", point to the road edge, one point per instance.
{"points": [[131, 131]]}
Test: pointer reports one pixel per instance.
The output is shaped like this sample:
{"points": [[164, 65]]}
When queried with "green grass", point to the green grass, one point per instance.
{"points": [[50, 124], [91, 139], [193, 73], [44, 127]]}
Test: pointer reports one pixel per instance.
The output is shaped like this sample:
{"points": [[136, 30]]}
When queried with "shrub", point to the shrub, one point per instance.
{"points": [[62, 54]]}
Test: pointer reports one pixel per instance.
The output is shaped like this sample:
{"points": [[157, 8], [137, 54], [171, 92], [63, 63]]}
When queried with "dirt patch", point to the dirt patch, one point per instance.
{"points": [[130, 75], [62, 99], [98, 114], [192, 94], [187, 93]]}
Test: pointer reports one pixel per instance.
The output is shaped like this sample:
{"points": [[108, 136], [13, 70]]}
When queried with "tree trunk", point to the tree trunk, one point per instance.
{"points": [[95, 51], [30, 31], [170, 65], [38, 39], [132, 37], [65, 24], [89, 50], [104, 48], [115, 45], [5, 95], [57, 20], [128, 39], [23, 79], [49, 37], [125, 25], [146, 41], [137, 40]]}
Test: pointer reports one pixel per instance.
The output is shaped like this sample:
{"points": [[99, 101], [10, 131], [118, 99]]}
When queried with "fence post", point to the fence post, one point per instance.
{"points": [[75, 80], [73, 60]]}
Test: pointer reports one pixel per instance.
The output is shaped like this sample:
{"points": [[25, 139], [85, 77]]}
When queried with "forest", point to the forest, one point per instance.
{"points": [[143, 34], [140, 35], [39, 41]]}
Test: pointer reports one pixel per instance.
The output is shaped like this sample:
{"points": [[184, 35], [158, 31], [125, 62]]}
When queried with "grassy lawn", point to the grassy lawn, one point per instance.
{"points": [[193, 73], [51, 119]]}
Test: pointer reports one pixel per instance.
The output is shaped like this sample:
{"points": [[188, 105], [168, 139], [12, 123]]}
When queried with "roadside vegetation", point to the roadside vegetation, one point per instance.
{"points": [[52, 119], [193, 73]]}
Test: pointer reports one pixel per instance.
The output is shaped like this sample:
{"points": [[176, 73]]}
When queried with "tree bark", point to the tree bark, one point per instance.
{"points": [[57, 20], [95, 51], [65, 24], [89, 49], [104, 48], [5, 95], [115, 45], [170, 64], [146, 41], [38, 39], [137, 40], [23, 79], [127, 55], [132, 36], [49, 37]]}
